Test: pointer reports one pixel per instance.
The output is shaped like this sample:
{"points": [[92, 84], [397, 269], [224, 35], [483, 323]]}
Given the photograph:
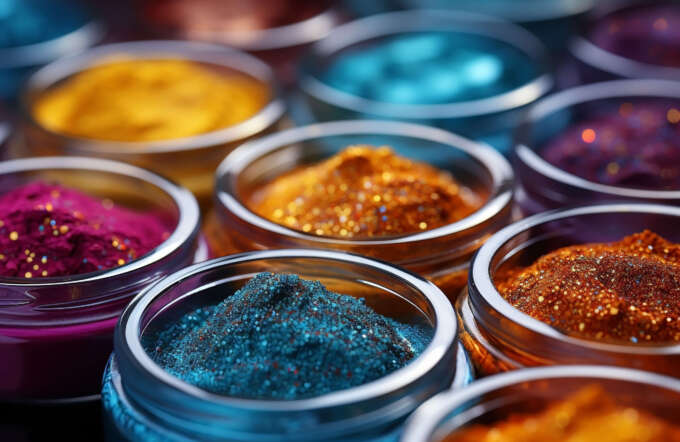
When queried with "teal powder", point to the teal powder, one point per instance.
{"points": [[282, 337]]}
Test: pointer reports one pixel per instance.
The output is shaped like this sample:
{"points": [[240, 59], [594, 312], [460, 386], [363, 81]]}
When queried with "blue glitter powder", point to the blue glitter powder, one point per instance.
{"points": [[24, 22], [423, 68], [282, 337]]}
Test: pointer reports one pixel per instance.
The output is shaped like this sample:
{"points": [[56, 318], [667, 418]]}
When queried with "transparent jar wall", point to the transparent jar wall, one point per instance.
{"points": [[67, 324], [499, 337], [189, 161], [542, 186], [137, 404], [529, 396], [443, 259]]}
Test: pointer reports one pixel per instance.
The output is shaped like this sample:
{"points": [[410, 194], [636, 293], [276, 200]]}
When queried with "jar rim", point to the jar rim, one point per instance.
{"points": [[616, 89], [289, 35], [128, 343], [495, 164], [590, 54], [187, 207], [482, 290], [424, 421], [199, 52], [400, 22]]}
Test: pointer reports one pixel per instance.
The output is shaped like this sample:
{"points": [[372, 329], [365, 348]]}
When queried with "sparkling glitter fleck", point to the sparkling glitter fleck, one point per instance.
{"points": [[384, 195], [608, 291]]}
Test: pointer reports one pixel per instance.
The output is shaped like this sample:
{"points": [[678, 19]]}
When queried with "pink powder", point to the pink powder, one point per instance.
{"points": [[50, 230]]}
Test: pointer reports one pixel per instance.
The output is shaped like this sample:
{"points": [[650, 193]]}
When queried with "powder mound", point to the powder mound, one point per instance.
{"points": [[635, 147], [589, 415], [363, 192], [50, 230], [623, 291], [281, 337]]}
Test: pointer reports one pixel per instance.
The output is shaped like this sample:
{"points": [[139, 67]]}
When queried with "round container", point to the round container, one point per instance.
{"points": [[142, 401], [487, 119], [56, 332], [18, 61], [529, 391], [541, 185], [594, 63], [500, 337], [441, 254], [191, 161], [553, 21], [280, 46]]}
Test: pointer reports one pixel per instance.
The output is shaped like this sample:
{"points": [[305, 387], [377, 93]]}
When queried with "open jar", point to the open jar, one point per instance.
{"points": [[500, 337], [529, 391], [463, 72], [542, 185], [56, 332], [190, 161], [441, 254], [628, 39], [37, 32], [277, 31], [143, 401]]}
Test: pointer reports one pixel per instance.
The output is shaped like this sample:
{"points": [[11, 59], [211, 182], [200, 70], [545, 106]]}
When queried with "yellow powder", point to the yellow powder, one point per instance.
{"points": [[149, 100]]}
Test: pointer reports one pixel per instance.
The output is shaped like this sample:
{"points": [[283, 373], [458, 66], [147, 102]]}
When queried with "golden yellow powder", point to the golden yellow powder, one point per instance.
{"points": [[365, 192], [149, 100]]}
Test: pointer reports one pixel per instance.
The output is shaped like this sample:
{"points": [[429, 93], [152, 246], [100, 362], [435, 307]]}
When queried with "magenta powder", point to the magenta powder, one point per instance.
{"points": [[50, 230]]}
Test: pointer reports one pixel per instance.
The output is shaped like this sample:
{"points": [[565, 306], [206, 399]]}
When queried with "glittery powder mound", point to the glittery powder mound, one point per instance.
{"points": [[50, 230], [281, 337], [637, 146], [627, 291], [589, 415], [364, 192]]}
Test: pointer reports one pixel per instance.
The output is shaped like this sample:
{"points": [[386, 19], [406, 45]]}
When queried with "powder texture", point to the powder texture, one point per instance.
{"points": [[50, 230], [364, 192], [638, 146], [589, 415], [648, 34], [281, 337], [429, 68], [626, 291], [149, 100]]}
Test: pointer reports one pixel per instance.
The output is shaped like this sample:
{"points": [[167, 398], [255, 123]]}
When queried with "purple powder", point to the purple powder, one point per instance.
{"points": [[638, 146], [50, 230], [648, 34]]}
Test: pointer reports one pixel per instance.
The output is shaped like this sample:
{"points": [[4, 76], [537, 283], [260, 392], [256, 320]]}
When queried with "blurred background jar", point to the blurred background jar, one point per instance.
{"points": [[463, 72], [606, 142], [635, 397], [144, 103], [277, 31]]}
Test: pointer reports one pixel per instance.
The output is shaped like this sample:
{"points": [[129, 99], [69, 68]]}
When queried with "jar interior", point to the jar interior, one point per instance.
{"points": [[384, 294], [123, 190], [465, 168], [533, 396]]}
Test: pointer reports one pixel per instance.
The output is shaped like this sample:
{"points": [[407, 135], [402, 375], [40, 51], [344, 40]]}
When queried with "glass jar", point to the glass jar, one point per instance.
{"points": [[530, 390], [190, 161], [56, 332], [280, 46], [594, 63], [541, 185], [142, 401], [500, 337], [553, 21], [441, 254], [19, 61], [488, 119]]}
